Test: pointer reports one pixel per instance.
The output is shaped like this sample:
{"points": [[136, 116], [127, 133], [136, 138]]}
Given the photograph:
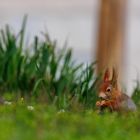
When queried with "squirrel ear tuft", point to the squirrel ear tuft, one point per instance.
{"points": [[106, 75], [114, 77]]}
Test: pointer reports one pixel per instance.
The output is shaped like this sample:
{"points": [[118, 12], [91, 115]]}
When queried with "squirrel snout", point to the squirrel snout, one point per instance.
{"points": [[102, 95]]}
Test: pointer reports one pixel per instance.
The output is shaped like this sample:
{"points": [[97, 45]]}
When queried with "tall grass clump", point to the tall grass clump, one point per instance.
{"points": [[136, 94], [41, 70]]}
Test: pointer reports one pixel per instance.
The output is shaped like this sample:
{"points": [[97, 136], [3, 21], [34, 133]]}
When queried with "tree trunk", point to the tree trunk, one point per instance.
{"points": [[110, 45]]}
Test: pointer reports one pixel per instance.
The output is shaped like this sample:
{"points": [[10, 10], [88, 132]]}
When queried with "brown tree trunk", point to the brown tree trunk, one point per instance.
{"points": [[111, 35]]}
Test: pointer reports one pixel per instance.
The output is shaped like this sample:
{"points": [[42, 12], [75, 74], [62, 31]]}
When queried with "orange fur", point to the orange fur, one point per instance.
{"points": [[111, 96]]}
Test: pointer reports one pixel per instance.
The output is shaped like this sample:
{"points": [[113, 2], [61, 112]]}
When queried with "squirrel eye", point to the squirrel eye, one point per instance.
{"points": [[108, 89]]}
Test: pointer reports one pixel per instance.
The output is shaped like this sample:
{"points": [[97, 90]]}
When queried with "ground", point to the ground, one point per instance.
{"points": [[42, 122]]}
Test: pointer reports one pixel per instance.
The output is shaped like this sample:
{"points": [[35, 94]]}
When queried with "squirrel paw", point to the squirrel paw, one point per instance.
{"points": [[100, 103]]}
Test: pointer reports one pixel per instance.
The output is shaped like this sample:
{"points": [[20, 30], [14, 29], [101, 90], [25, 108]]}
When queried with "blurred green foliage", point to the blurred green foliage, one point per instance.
{"points": [[47, 123], [136, 94], [48, 96], [43, 71]]}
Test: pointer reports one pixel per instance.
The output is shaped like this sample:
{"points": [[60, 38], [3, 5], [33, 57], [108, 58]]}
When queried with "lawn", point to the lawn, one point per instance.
{"points": [[42, 122], [46, 95]]}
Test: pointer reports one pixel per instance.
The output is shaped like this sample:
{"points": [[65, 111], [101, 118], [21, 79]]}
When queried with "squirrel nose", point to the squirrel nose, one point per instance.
{"points": [[102, 95]]}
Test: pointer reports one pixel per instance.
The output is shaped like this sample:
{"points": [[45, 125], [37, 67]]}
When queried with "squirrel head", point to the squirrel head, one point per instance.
{"points": [[109, 87]]}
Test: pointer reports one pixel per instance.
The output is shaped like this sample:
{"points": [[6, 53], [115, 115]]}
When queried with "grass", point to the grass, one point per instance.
{"points": [[49, 96], [47, 122], [43, 70]]}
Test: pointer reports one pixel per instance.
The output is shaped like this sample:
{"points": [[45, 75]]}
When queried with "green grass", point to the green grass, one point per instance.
{"points": [[43, 70], [48, 123], [53, 97]]}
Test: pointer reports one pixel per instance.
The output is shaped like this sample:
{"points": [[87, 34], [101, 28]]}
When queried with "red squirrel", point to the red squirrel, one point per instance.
{"points": [[111, 97]]}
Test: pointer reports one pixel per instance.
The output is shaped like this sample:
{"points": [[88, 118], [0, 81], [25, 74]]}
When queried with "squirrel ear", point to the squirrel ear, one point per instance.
{"points": [[114, 77], [106, 75]]}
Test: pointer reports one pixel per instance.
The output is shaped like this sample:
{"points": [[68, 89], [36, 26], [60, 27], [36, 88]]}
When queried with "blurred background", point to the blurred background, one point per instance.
{"points": [[75, 21]]}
